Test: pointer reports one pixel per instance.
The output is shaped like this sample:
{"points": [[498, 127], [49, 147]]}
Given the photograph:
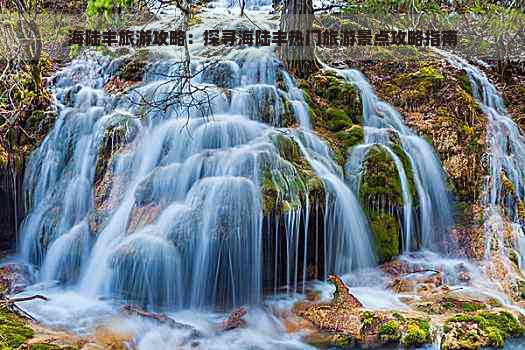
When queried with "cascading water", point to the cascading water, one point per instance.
{"points": [[181, 221], [380, 121], [506, 145], [347, 236], [213, 210], [506, 154]]}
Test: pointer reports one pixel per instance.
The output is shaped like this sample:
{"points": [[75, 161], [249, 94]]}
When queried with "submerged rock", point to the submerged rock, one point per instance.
{"points": [[343, 323]]}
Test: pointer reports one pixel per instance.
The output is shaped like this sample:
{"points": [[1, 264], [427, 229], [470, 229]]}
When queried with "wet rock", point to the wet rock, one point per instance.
{"points": [[342, 294], [234, 320], [484, 329], [326, 340], [223, 74], [143, 215], [14, 278]]}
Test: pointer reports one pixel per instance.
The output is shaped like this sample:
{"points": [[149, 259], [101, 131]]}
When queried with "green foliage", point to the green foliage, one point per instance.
{"points": [[97, 7]]}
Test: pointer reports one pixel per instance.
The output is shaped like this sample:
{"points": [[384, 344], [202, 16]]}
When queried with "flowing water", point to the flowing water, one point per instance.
{"points": [[182, 227], [506, 158], [382, 125]]}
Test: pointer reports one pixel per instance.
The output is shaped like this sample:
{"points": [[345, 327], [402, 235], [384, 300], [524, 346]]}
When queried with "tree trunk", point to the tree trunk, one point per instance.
{"points": [[298, 15]]}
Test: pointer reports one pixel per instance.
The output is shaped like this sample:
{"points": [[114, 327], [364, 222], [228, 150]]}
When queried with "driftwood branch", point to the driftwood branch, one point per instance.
{"points": [[9, 301], [161, 318], [234, 320]]}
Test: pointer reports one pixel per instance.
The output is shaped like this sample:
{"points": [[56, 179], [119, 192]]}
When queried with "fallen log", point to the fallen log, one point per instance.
{"points": [[160, 318], [8, 301]]}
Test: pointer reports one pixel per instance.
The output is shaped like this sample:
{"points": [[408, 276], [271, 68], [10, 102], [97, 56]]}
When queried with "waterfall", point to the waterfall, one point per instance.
{"points": [[506, 155], [380, 121], [177, 219], [347, 234], [354, 170], [506, 145]]}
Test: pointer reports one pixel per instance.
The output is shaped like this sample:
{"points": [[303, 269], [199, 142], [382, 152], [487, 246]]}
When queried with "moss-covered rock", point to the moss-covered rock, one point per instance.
{"points": [[416, 333], [327, 340], [381, 184], [351, 137], [385, 228], [471, 332], [450, 304], [336, 92], [464, 82], [335, 111], [287, 178], [435, 100], [13, 331], [380, 177], [390, 332], [338, 119]]}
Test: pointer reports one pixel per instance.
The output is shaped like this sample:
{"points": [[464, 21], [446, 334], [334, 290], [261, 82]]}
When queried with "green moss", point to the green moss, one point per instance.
{"points": [[390, 332], [338, 119], [284, 186], [381, 182], [381, 178], [329, 340], [288, 149], [464, 82], [367, 319], [504, 321], [385, 228], [351, 137], [471, 307], [495, 326], [495, 336], [338, 94], [415, 87], [13, 331], [417, 333]]}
